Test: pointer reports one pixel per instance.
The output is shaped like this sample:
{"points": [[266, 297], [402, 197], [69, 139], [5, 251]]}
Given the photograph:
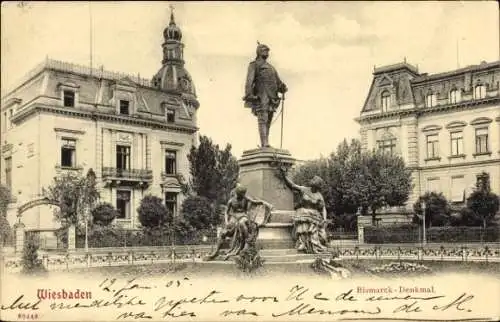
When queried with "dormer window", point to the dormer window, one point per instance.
{"points": [[170, 115], [479, 92], [124, 107], [386, 100], [430, 100], [454, 96], [69, 98]]}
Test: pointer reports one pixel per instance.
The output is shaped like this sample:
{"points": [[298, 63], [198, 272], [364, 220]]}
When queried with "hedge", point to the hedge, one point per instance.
{"points": [[413, 233]]}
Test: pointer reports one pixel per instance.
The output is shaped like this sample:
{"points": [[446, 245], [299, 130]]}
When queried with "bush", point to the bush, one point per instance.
{"points": [[199, 212], [249, 260], [153, 213], [413, 234], [30, 261], [484, 204], [6, 234], [437, 211], [392, 234], [103, 214]]}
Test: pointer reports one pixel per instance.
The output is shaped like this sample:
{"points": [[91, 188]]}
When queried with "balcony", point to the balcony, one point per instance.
{"points": [[115, 176]]}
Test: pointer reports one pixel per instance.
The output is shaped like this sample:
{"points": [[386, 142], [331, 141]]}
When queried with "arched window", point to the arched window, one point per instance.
{"points": [[454, 96], [386, 100], [430, 100], [479, 91]]}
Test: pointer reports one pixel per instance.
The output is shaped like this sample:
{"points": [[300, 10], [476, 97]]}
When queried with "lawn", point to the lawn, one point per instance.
{"points": [[358, 268]]}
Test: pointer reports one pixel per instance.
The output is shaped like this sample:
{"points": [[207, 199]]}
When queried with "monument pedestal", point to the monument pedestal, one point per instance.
{"points": [[258, 175]]}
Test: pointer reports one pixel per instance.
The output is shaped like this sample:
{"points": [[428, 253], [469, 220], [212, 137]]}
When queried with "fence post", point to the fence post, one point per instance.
{"points": [[71, 238], [361, 234], [20, 234]]}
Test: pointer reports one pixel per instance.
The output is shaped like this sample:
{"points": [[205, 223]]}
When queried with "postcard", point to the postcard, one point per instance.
{"points": [[250, 161]]}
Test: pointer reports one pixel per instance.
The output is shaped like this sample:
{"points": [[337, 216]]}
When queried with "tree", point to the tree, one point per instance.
{"points": [[153, 213], [75, 195], [437, 209], [482, 201], [379, 180], [214, 172], [5, 229], [336, 171], [103, 214], [199, 212]]}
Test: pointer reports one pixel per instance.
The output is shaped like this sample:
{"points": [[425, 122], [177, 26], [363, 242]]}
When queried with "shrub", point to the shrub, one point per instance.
{"points": [[30, 261], [249, 260], [199, 212], [103, 214], [484, 204], [153, 213], [437, 211], [392, 234], [6, 234]]}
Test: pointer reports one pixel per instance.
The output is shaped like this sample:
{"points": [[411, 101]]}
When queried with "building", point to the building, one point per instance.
{"points": [[446, 126], [134, 133]]}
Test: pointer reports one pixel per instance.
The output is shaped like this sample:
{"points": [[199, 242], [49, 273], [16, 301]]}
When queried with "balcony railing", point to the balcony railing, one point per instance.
{"points": [[140, 175]]}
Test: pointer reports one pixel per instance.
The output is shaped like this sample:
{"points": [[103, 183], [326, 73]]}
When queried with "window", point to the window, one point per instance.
{"points": [[454, 96], [387, 146], [433, 185], [430, 100], [68, 153], [479, 92], [171, 202], [124, 107], [170, 115], [123, 204], [69, 98], [11, 113], [456, 143], [457, 189], [170, 162], [482, 140], [8, 172], [432, 146], [386, 100], [122, 157]]}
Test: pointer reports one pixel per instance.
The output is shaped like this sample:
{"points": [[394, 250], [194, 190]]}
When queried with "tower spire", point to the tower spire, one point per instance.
{"points": [[172, 18]]}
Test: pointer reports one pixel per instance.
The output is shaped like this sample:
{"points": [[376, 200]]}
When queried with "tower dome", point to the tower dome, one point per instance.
{"points": [[173, 76], [172, 32]]}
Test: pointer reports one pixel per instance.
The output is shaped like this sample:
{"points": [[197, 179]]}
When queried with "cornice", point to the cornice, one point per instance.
{"points": [[102, 117], [431, 110]]}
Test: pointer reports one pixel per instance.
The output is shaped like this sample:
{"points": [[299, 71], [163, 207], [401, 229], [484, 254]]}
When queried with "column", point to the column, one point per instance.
{"points": [[71, 237], [19, 245], [112, 157], [148, 152]]}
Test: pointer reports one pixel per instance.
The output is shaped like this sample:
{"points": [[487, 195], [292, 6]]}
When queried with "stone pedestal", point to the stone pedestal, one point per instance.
{"points": [[71, 238], [258, 175], [19, 234]]}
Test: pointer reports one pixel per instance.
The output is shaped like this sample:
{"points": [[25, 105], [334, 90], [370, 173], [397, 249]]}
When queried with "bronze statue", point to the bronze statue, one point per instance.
{"points": [[261, 92], [310, 216], [242, 230]]}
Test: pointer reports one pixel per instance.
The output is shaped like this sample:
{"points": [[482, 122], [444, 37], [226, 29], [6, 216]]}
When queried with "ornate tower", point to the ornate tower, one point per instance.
{"points": [[172, 76]]}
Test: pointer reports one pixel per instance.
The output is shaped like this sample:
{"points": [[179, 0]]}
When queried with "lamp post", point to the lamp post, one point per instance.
{"points": [[424, 238]]}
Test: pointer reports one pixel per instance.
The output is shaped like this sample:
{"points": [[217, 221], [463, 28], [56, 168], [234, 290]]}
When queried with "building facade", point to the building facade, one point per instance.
{"points": [[446, 126], [135, 134]]}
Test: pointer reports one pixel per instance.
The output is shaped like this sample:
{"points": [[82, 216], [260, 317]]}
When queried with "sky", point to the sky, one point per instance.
{"points": [[324, 51]]}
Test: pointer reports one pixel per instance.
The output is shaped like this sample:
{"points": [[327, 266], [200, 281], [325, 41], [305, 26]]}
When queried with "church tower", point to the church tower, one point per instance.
{"points": [[173, 76]]}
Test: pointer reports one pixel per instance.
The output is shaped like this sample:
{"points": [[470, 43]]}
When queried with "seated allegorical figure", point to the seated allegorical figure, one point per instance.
{"points": [[242, 229], [310, 216]]}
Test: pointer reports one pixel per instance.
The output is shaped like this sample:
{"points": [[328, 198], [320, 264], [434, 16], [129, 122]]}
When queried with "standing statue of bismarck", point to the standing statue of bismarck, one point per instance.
{"points": [[261, 92]]}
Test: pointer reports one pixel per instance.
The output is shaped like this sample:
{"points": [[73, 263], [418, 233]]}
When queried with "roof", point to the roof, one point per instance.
{"points": [[393, 67], [472, 68]]}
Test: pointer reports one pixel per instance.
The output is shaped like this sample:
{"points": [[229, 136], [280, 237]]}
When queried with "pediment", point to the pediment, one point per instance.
{"points": [[171, 183], [385, 80], [481, 120], [430, 128], [456, 124], [126, 81]]}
